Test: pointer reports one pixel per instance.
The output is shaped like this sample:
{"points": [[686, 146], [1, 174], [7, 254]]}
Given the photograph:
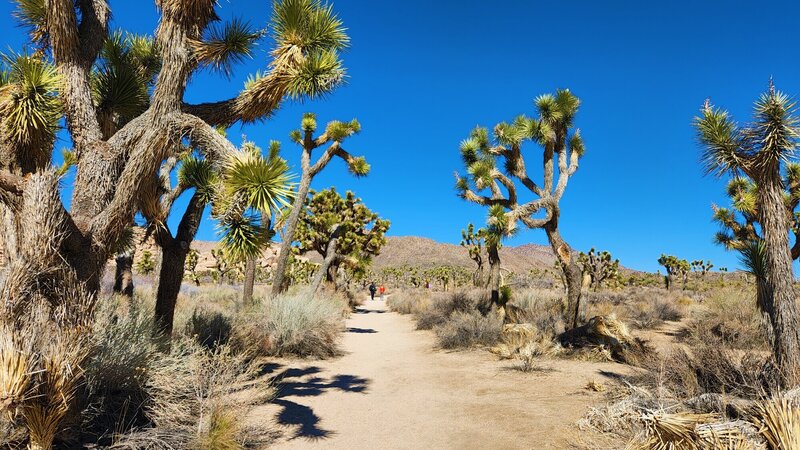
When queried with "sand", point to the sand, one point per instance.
{"points": [[392, 389]]}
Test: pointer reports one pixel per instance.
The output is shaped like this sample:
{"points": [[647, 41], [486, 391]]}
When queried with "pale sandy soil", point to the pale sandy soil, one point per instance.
{"points": [[393, 390]]}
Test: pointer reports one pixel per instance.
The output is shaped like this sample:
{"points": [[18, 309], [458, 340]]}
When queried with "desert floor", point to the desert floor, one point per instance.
{"points": [[393, 389]]}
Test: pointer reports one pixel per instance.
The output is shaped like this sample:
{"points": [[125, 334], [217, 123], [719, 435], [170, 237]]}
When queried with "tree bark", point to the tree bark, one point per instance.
{"points": [[327, 263], [174, 252], [572, 274], [249, 281], [123, 277], [173, 257], [779, 297], [493, 282], [278, 284]]}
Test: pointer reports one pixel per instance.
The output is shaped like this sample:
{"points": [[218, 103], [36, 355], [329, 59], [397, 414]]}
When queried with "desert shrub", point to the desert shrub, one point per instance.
{"points": [[191, 401], [729, 318], [442, 306], [709, 369], [408, 302], [642, 307], [210, 329], [542, 308], [469, 329], [118, 369], [293, 324]]}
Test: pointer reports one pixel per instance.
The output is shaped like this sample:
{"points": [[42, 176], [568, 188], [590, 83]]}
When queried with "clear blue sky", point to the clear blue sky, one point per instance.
{"points": [[423, 73]]}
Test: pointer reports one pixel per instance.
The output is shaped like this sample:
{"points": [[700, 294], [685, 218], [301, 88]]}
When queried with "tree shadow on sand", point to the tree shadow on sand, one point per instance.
{"points": [[301, 383]]}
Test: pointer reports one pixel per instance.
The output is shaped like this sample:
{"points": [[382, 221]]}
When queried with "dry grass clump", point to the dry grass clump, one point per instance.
{"points": [[731, 319], [192, 401], [643, 307], [408, 301], [292, 324], [544, 309], [469, 329], [442, 306]]}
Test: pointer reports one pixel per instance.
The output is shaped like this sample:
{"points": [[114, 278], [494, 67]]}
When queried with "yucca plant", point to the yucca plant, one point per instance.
{"points": [[334, 135], [761, 151], [779, 423], [121, 97], [495, 166], [342, 230]]}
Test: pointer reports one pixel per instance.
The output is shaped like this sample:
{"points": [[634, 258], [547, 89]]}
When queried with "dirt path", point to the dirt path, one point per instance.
{"points": [[392, 390]]}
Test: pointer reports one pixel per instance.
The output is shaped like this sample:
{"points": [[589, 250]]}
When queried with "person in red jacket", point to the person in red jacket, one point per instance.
{"points": [[382, 289]]}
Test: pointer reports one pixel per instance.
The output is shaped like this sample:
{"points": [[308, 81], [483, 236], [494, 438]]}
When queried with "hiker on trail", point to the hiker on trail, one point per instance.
{"points": [[372, 289], [382, 289]]}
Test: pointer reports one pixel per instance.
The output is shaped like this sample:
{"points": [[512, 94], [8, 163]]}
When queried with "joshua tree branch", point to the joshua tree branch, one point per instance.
{"points": [[11, 183], [325, 158], [93, 29]]}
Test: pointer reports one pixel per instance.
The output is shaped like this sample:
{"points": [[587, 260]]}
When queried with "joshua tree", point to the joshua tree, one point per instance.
{"points": [[192, 258], [301, 270], [722, 271], [123, 275], [116, 164], [599, 266], [473, 242], [562, 147], [146, 264], [341, 230], [335, 134], [701, 267], [760, 151], [243, 188], [740, 224], [674, 266]]}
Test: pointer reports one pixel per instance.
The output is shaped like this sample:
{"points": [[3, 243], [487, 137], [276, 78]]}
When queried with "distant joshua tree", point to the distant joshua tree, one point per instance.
{"points": [[674, 266], [599, 266], [494, 165], [701, 267], [760, 151], [473, 242], [146, 263]]}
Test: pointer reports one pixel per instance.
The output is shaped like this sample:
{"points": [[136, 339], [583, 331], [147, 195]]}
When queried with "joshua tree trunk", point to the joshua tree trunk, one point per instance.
{"points": [[668, 281], [572, 274], [249, 281], [493, 283], [685, 279], [327, 263], [332, 272], [779, 302], [278, 284], [123, 277], [174, 251]]}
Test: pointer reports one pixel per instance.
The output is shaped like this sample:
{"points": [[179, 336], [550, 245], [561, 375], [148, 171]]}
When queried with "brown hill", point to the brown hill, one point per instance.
{"points": [[424, 252]]}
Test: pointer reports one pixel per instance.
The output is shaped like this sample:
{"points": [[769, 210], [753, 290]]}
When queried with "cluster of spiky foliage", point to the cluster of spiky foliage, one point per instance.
{"points": [[761, 151], [360, 236], [300, 271], [674, 266], [192, 258], [122, 99], [473, 242], [702, 267], [496, 164], [599, 266], [447, 276], [335, 134], [145, 263]]}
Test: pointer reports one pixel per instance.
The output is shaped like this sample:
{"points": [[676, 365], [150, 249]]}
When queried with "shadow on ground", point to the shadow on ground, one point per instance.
{"points": [[295, 383], [361, 330]]}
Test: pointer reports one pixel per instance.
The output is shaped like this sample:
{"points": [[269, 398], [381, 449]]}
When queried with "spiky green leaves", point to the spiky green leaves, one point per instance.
{"points": [[225, 46], [361, 231], [309, 123], [123, 76], [243, 237], [308, 24], [29, 103], [199, 174], [776, 125], [318, 74], [32, 15], [358, 166], [338, 131], [264, 183], [752, 256]]}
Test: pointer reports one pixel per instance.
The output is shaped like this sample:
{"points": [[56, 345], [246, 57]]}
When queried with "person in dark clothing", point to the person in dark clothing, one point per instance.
{"points": [[372, 290]]}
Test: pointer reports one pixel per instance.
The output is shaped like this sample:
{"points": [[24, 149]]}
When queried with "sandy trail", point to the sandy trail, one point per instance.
{"points": [[392, 389]]}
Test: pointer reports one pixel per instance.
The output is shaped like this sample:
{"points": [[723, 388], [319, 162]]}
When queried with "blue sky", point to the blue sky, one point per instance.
{"points": [[423, 73]]}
